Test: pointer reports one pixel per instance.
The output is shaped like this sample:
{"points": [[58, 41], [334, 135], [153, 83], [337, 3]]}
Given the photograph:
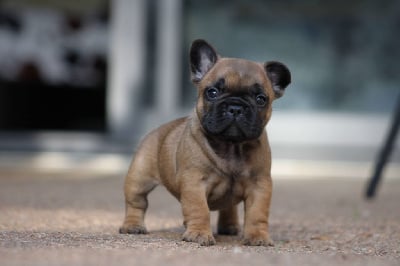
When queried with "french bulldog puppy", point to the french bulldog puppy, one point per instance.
{"points": [[216, 157]]}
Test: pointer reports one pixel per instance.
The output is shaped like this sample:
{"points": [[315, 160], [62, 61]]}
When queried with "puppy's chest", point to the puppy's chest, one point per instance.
{"points": [[230, 175], [224, 190]]}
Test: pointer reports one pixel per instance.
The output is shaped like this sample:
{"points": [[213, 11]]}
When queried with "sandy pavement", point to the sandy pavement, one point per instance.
{"points": [[73, 219]]}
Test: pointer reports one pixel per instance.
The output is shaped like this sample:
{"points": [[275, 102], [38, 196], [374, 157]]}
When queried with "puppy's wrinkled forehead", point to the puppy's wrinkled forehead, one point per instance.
{"points": [[237, 73]]}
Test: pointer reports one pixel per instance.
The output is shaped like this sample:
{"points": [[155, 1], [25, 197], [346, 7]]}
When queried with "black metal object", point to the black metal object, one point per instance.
{"points": [[384, 153]]}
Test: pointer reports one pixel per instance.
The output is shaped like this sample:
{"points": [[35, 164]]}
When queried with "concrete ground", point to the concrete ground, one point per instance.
{"points": [[69, 218]]}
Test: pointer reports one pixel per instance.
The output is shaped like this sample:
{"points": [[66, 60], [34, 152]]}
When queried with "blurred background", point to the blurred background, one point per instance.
{"points": [[82, 81]]}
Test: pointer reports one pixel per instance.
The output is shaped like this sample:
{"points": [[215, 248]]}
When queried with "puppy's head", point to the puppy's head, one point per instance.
{"points": [[234, 95]]}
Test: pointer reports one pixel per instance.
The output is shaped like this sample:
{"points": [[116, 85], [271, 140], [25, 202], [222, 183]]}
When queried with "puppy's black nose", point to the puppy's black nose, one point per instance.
{"points": [[235, 110]]}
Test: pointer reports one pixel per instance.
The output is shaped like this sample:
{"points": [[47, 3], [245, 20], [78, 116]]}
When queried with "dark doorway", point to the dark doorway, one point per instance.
{"points": [[39, 106]]}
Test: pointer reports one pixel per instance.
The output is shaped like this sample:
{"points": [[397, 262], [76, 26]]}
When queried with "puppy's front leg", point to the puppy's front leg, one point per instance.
{"points": [[257, 205], [195, 211]]}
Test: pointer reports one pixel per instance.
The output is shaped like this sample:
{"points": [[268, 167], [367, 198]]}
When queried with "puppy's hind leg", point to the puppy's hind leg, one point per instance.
{"points": [[137, 187], [228, 221]]}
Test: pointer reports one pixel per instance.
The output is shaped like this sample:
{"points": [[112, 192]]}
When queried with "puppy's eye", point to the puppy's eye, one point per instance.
{"points": [[261, 100], [212, 93]]}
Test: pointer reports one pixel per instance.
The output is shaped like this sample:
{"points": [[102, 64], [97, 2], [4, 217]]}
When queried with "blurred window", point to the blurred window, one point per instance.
{"points": [[53, 65], [343, 55]]}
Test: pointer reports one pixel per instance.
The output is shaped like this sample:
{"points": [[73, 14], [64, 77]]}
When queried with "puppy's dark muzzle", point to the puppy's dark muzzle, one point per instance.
{"points": [[233, 119]]}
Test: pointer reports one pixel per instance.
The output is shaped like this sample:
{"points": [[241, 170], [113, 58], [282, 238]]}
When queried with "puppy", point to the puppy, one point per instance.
{"points": [[216, 157]]}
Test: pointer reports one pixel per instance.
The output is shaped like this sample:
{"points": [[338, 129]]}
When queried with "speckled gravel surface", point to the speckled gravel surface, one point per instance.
{"points": [[73, 219]]}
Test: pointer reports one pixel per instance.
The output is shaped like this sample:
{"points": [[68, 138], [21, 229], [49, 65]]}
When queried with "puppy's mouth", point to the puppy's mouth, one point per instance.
{"points": [[234, 132]]}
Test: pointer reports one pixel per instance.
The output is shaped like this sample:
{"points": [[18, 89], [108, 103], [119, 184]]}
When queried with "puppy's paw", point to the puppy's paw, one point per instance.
{"points": [[132, 229], [231, 230], [258, 241], [200, 237]]}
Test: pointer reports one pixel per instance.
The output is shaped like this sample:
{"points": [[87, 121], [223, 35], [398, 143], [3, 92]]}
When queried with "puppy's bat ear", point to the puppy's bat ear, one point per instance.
{"points": [[279, 75], [202, 58]]}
